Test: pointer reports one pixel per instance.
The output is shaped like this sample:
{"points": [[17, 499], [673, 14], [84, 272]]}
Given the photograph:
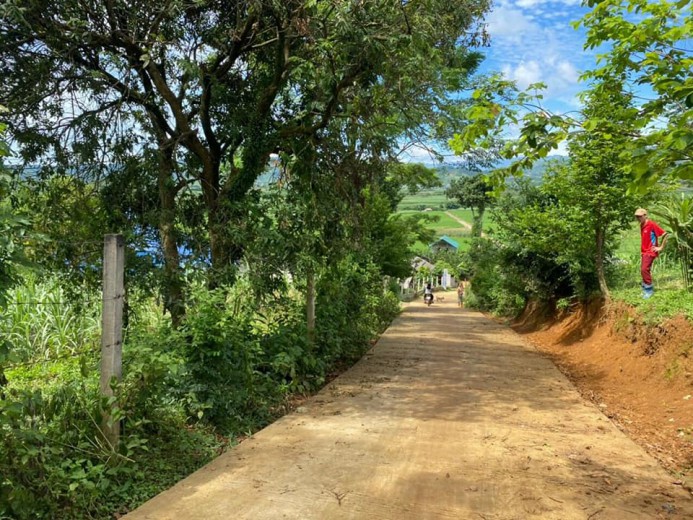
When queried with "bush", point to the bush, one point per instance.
{"points": [[352, 310], [496, 287], [53, 460], [227, 370]]}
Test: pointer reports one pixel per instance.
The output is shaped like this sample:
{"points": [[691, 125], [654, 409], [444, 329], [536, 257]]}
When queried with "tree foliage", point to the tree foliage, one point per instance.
{"points": [[647, 43], [197, 95], [598, 181], [473, 193], [647, 53], [13, 227], [546, 241]]}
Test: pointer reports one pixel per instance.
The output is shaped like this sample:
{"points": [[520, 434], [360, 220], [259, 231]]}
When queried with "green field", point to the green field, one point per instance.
{"points": [[432, 204], [434, 199], [445, 225]]}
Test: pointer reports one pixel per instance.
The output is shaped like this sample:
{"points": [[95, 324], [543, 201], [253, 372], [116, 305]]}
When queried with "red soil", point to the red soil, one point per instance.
{"points": [[640, 376]]}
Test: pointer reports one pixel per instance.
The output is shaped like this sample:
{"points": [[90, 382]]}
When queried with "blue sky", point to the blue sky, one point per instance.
{"points": [[532, 41]]}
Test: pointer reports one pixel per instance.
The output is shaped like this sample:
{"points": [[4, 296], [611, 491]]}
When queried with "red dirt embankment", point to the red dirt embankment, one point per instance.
{"points": [[641, 377]]}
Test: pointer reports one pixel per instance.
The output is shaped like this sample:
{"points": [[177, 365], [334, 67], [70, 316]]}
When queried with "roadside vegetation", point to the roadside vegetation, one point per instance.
{"points": [[630, 145], [254, 180]]}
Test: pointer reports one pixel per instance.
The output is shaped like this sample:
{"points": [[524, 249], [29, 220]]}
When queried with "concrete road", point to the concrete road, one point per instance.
{"points": [[449, 416]]}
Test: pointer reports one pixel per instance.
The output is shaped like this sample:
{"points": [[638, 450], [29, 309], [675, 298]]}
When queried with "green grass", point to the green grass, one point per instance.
{"points": [[445, 225], [629, 242], [466, 215], [667, 302], [444, 221]]}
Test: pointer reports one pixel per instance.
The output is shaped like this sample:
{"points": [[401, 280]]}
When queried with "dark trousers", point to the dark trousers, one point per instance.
{"points": [[646, 268]]}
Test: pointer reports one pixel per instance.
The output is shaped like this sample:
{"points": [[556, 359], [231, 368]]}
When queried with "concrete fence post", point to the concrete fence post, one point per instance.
{"points": [[112, 328]]}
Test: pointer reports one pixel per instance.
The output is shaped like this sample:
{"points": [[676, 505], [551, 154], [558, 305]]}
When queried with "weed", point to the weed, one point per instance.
{"points": [[672, 370]]}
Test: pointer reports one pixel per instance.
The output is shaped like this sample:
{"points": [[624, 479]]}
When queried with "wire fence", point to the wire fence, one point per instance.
{"points": [[75, 304], [109, 329]]}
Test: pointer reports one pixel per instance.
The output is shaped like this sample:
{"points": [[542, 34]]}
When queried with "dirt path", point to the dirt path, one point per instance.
{"points": [[461, 222], [449, 416]]}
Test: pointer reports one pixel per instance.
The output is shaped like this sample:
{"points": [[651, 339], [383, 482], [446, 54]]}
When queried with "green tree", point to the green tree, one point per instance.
{"points": [[473, 193], [598, 182], [537, 245], [219, 86], [646, 43], [651, 49], [13, 229]]}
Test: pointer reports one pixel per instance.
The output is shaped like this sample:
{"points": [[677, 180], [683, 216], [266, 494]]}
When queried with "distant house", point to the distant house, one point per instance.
{"points": [[414, 284], [420, 261], [444, 242]]}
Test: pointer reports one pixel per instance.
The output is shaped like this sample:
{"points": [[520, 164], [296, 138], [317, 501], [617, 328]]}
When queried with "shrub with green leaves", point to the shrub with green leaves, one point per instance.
{"points": [[498, 283], [223, 359], [53, 460], [226, 370]]}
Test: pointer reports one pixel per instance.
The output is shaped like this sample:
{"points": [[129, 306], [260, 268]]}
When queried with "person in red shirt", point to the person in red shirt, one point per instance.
{"points": [[650, 233]]}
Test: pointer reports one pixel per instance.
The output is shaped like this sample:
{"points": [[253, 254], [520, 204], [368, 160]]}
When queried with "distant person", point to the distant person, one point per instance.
{"points": [[428, 294], [460, 293], [650, 247]]}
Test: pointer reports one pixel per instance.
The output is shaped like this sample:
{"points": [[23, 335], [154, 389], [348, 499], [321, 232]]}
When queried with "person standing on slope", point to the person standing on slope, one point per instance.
{"points": [[650, 233]]}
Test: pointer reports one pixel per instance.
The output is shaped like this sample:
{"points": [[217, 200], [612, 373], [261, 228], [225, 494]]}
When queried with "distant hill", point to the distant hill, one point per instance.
{"points": [[537, 172], [448, 172]]}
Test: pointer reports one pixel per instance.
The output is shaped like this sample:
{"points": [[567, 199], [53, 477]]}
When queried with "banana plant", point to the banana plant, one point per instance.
{"points": [[676, 214]]}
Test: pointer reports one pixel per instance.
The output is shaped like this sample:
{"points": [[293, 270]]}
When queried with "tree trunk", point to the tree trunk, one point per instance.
{"points": [[173, 283], [310, 307], [599, 263], [477, 223]]}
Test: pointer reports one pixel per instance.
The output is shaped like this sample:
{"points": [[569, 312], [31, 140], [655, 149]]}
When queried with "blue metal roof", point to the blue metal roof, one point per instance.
{"points": [[448, 241]]}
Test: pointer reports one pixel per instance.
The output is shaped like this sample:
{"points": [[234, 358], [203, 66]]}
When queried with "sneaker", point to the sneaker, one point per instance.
{"points": [[647, 291]]}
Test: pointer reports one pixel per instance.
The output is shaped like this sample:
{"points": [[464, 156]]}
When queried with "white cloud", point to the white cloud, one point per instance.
{"points": [[506, 23], [534, 3], [525, 73], [532, 41], [529, 3], [567, 72]]}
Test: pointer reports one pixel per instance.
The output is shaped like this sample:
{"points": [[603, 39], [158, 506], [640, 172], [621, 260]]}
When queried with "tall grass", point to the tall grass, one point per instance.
{"points": [[677, 215], [41, 320]]}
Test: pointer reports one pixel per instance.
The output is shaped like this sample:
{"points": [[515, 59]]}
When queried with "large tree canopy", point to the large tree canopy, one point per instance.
{"points": [[200, 93], [226, 81]]}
